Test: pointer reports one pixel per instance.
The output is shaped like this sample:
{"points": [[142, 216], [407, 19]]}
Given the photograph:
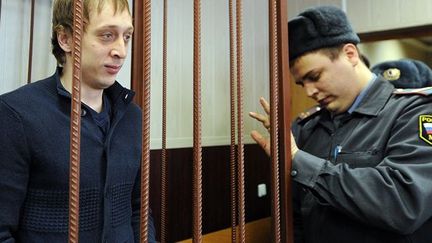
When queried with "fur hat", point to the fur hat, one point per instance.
{"points": [[405, 73], [319, 27]]}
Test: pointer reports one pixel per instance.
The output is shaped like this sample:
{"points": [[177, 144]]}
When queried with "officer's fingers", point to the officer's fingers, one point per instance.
{"points": [[260, 117], [265, 105], [261, 141], [264, 119]]}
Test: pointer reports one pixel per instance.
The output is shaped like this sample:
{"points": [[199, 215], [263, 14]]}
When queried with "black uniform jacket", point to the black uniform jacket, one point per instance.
{"points": [[366, 176]]}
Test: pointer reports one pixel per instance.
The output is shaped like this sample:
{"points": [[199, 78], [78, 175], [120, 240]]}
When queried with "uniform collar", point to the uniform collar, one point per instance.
{"points": [[362, 94], [375, 97]]}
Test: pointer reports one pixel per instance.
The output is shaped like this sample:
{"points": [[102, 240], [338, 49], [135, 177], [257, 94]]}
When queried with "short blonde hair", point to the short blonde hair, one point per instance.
{"points": [[63, 19]]}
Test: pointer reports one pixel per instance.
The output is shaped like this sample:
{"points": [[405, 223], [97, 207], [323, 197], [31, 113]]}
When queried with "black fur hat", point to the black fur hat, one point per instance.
{"points": [[405, 73], [319, 27]]}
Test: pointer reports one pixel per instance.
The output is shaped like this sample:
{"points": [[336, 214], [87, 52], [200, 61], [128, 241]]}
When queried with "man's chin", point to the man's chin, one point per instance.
{"points": [[109, 82], [331, 108]]}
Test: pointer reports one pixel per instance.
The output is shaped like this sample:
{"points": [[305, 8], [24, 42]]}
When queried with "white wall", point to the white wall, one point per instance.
{"points": [[14, 43], [297, 6], [215, 70], [14, 39], [375, 15]]}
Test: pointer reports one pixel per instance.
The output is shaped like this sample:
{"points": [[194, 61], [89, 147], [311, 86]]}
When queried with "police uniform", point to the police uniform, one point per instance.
{"points": [[365, 176]]}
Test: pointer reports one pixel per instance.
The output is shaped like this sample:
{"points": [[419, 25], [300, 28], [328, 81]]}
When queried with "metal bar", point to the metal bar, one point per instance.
{"points": [[164, 166], [233, 166], [145, 98], [274, 78], [75, 130], [137, 75], [30, 59], [240, 125], [287, 230], [1, 3], [197, 151]]}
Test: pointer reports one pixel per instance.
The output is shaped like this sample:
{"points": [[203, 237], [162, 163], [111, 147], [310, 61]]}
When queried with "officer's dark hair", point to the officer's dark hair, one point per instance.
{"points": [[332, 52]]}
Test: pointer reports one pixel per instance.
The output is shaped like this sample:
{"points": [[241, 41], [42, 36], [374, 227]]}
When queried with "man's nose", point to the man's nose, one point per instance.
{"points": [[311, 90], [119, 49]]}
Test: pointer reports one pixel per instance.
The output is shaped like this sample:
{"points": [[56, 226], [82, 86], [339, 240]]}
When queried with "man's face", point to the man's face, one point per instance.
{"points": [[333, 84], [104, 46]]}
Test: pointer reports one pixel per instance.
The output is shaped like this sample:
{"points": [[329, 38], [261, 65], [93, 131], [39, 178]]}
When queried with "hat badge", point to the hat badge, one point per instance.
{"points": [[391, 74]]}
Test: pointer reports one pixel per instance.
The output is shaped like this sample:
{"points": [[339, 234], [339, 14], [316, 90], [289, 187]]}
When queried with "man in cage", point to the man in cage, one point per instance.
{"points": [[34, 138], [362, 161]]}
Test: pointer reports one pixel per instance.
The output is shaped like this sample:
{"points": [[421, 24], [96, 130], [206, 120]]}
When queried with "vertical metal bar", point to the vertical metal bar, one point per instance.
{"points": [[164, 166], [137, 74], [233, 166], [75, 130], [197, 151], [240, 125], [287, 231], [145, 158], [1, 3], [30, 58], [274, 78]]}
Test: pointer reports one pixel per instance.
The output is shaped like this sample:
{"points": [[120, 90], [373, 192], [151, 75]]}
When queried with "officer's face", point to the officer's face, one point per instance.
{"points": [[332, 83]]}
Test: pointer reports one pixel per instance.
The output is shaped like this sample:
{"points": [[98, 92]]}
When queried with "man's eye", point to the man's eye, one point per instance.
{"points": [[127, 37], [107, 36], [315, 78], [300, 83]]}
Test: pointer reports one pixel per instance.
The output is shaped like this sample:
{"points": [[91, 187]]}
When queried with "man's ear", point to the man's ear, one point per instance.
{"points": [[351, 53], [64, 39]]}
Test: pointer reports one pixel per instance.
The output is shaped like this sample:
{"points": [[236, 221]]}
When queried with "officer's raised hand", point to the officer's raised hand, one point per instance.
{"points": [[264, 142], [265, 120]]}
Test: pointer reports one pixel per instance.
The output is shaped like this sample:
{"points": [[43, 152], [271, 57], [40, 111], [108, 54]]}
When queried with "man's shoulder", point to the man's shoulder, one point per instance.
{"points": [[308, 114], [413, 97], [29, 93], [32, 87], [409, 100], [427, 91]]}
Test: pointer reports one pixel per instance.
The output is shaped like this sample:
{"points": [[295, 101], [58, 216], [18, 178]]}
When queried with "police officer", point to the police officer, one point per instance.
{"points": [[362, 164]]}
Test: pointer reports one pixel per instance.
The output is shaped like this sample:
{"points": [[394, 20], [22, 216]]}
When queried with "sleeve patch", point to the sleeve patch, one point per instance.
{"points": [[425, 128]]}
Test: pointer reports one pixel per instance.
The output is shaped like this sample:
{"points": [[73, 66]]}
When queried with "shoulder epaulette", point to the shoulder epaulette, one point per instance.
{"points": [[421, 91], [308, 113]]}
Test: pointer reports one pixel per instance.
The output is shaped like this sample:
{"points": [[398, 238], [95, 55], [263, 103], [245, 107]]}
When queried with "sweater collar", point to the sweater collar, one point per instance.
{"points": [[114, 92]]}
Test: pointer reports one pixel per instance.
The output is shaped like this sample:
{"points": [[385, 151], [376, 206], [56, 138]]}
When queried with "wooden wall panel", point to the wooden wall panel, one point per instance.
{"points": [[300, 102], [216, 189]]}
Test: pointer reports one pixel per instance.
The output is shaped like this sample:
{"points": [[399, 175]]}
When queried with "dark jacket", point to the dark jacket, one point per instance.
{"points": [[34, 167], [367, 177]]}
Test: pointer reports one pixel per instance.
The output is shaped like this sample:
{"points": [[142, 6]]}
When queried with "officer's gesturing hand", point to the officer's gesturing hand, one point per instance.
{"points": [[264, 142]]}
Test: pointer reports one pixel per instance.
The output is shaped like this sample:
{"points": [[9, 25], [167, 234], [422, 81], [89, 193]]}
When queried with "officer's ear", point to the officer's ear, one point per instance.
{"points": [[351, 53], [64, 39]]}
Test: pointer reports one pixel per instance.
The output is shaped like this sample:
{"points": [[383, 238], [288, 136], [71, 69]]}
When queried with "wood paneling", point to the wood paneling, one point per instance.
{"points": [[300, 102], [409, 32], [257, 231], [216, 189]]}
